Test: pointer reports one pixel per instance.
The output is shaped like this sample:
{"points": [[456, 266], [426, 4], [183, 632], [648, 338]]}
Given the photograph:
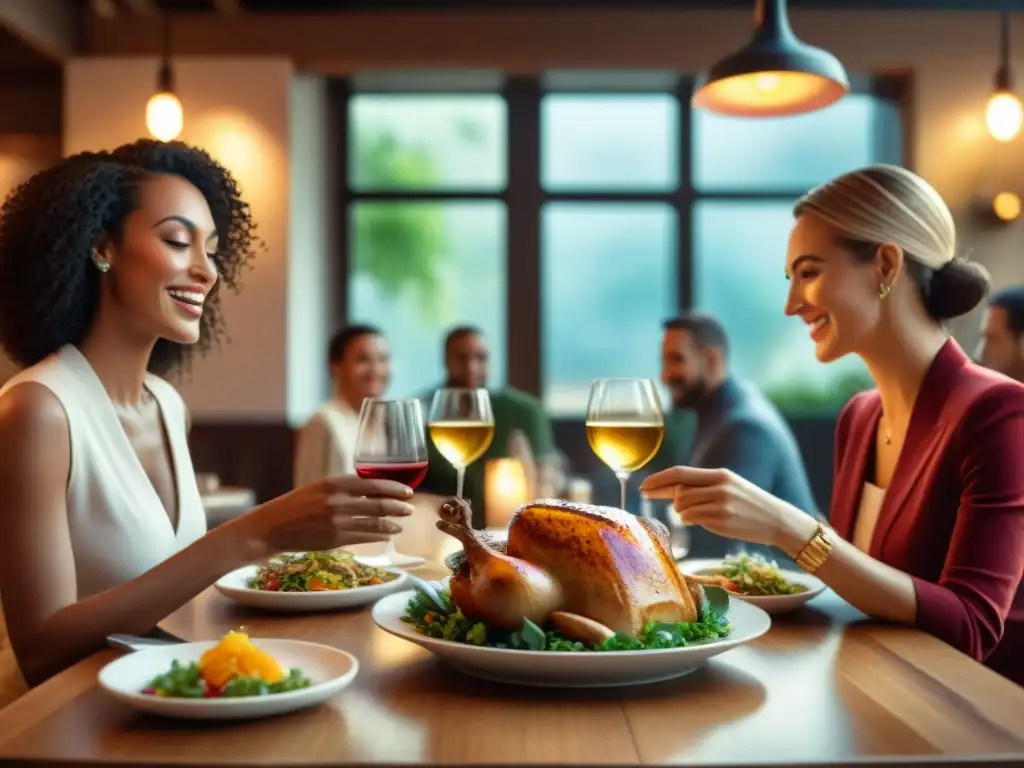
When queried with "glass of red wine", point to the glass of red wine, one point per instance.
{"points": [[391, 444]]}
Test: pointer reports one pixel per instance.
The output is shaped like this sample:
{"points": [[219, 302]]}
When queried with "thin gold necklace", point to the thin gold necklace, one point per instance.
{"points": [[886, 432]]}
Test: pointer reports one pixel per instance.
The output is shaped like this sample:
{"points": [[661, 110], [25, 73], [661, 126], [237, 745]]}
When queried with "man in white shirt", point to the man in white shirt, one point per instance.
{"points": [[360, 366]]}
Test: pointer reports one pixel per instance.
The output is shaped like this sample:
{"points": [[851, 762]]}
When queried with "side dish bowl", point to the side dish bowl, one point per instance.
{"points": [[772, 604]]}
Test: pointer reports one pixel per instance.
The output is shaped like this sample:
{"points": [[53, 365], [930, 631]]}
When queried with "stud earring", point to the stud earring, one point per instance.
{"points": [[883, 290], [101, 264]]}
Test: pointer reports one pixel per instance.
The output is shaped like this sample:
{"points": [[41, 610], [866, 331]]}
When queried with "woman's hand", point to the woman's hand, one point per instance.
{"points": [[326, 514], [724, 503]]}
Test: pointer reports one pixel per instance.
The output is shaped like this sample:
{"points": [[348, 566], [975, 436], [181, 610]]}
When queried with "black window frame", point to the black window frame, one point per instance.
{"points": [[524, 197]]}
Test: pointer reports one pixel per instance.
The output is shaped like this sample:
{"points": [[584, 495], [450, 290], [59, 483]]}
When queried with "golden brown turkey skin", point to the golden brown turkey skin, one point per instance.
{"points": [[610, 566], [461, 591]]}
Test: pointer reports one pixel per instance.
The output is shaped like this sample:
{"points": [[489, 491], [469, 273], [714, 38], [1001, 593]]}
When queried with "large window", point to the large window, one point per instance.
{"points": [[609, 238], [746, 176], [579, 218], [427, 225]]}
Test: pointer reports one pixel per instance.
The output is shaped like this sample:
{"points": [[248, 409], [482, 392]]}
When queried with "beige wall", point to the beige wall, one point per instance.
{"points": [[240, 110], [309, 246]]}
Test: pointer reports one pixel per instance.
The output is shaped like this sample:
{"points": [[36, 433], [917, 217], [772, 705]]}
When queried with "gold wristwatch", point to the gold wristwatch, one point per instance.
{"points": [[816, 551]]}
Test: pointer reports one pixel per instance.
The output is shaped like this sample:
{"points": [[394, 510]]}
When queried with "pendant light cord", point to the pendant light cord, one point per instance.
{"points": [[1004, 76], [165, 79]]}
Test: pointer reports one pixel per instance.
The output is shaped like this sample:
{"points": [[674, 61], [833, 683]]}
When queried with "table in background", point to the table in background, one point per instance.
{"points": [[823, 687], [227, 502]]}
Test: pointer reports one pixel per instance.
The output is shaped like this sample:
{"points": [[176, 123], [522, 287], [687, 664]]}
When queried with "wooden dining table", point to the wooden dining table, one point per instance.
{"points": [[824, 686]]}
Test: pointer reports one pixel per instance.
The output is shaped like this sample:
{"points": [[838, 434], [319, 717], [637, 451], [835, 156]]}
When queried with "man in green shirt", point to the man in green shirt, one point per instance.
{"points": [[467, 362]]}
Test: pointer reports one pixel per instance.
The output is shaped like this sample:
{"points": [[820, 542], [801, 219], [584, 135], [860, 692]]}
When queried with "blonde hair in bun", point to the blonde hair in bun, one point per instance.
{"points": [[889, 204]]}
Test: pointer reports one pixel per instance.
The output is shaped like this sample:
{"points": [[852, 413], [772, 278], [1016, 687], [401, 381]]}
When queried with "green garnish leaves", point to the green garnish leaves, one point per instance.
{"points": [[294, 681], [717, 599], [246, 686], [425, 617], [182, 682], [449, 625], [254, 686], [657, 635], [477, 635], [533, 636]]}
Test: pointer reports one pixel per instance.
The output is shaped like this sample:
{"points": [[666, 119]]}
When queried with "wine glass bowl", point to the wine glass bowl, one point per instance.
{"points": [[625, 425], [461, 427], [390, 441], [678, 533], [391, 444]]}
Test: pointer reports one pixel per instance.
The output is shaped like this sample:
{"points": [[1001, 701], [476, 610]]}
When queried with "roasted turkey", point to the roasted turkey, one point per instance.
{"points": [[599, 569]]}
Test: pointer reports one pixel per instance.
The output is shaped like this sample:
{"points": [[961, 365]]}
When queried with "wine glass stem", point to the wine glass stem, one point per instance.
{"points": [[623, 477], [460, 474]]}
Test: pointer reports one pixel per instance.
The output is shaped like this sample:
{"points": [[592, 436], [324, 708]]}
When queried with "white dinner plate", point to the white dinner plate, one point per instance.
{"points": [[571, 669], [394, 560], [328, 669], [235, 586], [773, 604]]}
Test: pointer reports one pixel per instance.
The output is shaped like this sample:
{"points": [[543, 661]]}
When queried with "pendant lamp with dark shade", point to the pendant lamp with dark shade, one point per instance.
{"points": [[774, 74]]}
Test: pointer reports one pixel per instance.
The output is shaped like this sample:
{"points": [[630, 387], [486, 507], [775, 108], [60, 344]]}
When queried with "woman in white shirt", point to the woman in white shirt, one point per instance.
{"points": [[110, 269], [360, 366]]}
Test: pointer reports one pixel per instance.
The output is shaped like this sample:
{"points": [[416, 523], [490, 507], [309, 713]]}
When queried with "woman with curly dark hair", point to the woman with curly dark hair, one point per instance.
{"points": [[110, 269]]}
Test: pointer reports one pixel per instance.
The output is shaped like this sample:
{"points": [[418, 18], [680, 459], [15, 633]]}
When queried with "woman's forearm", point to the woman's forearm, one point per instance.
{"points": [[869, 585], [135, 607]]}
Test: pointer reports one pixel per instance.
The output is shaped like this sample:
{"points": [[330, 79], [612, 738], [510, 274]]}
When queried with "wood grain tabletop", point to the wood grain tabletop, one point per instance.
{"points": [[823, 687]]}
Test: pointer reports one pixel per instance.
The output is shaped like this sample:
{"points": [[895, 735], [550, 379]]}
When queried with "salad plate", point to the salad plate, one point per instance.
{"points": [[308, 582], [313, 673], [402, 614], [757, 582]]}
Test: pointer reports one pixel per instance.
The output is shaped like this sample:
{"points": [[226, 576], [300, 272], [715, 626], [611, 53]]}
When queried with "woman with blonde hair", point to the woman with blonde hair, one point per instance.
{"points": [[927, 514]]}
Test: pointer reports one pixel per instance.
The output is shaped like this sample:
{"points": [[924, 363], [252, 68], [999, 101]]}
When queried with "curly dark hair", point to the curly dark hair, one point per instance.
{"points": [[49, 286]]}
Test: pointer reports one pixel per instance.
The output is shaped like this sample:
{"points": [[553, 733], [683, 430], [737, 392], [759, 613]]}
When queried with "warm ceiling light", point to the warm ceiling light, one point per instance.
{"points": [[1004, 114], [164, 116], [774, 74], [1006, 205]]}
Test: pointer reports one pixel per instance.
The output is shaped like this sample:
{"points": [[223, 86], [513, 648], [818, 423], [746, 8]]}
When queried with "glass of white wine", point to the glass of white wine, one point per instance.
{"points": [[625, 425], [462, 427]]}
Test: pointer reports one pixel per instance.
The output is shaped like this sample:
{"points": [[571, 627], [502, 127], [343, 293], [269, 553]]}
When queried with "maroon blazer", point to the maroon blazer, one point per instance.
{"points": [[953, 515]]}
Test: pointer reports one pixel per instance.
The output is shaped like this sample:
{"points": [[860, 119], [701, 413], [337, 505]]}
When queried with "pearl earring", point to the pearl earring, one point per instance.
{"points": [[883, 290]]}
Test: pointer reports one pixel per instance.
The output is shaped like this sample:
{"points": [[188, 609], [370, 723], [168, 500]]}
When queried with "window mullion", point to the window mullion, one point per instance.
{"points": [[525, 197]]}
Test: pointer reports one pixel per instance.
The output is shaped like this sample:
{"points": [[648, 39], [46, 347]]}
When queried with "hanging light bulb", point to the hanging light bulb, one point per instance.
{"points": [[164, 115], [1004, 115], [1006, 205], [774, 74]]}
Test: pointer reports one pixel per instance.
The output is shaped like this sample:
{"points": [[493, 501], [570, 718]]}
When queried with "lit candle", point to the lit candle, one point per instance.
{"points": [[505, 489]]}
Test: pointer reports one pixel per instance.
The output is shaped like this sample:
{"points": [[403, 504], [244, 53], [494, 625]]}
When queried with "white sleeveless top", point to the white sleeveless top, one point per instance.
{"points": [[119, 528]]}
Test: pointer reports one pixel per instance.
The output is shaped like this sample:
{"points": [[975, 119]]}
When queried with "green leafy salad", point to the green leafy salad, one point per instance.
{"points": [[755, 576], [450, 624]]}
